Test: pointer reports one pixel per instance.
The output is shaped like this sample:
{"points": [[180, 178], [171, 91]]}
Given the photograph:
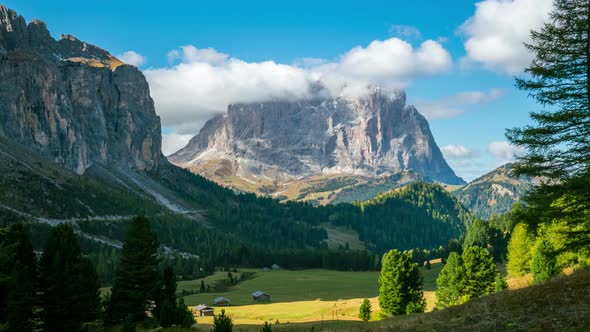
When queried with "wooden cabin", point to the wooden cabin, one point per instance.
{"points": [[202, 310], [221, 301], [260, 296]]}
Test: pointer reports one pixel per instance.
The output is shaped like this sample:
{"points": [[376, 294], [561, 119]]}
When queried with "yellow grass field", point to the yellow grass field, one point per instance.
{"points": [[301, 296]]}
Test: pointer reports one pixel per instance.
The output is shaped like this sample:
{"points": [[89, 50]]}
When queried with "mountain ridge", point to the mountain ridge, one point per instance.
{"points": [[376, 135]]}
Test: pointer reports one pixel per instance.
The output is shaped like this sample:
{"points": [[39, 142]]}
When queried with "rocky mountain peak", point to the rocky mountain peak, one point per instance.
{"points": [[374, 135], [72, 102]]}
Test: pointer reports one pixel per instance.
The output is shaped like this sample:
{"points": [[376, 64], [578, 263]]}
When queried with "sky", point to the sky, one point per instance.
{"points": [[456, 59]]}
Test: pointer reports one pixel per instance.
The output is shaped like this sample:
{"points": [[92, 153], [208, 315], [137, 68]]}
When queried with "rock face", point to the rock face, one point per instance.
{"points": [[371, 136], [72, 102]]}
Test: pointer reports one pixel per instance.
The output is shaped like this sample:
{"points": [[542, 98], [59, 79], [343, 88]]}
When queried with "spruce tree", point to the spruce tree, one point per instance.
{"points": [[558, 142], [202, 289], [137, 279], [479, 272], [478, 234], [68, 282], [544, 262], [222, 323], [400, 290], [18, 278], [266, 327], [365, 310], [450, 283], [519, 251]]}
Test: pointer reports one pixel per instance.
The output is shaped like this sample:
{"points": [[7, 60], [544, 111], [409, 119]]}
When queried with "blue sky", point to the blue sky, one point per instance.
{"points": [[458, 66]]}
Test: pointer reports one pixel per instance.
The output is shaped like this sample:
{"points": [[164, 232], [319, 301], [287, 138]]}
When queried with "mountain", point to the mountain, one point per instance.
{"points": [[256, 144], [72, 102], [494, 192], [80, 143]]}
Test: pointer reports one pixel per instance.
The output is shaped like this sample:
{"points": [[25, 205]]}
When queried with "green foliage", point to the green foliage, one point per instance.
{"points": [[400, 290], [450, 282], [222, 323], [420, 215], [266, 327], [18, 279], [69, 284], [519, 251], [185, 316], [543, 265], [557, 142], [478, 234], [137, 280], [365, 310], [479, 272], [470, 275]]}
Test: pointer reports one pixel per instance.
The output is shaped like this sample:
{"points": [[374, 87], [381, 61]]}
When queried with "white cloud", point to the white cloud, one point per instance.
{"points": [[132, 58], [457, 152], [504, 152], [456, 104], [405, 31], [498, 29], [203, 82], [174, 142]]}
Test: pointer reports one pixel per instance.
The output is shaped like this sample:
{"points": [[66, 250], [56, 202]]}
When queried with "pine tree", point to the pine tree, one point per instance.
{"points": [[266, 327], [68, 282], [479, 272], [202, 289], [450, 282], [544, 263], [137, 279], [400, 282], [478, 234], [222, 323], [365, 310], [519, 251], [18, 279], [185, 316], [558, 143], [167, 308], [428, 266]]}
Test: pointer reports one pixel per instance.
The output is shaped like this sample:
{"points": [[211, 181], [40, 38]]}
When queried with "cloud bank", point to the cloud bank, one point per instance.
{"points": [[202, 82], [496, 32], [504, 152], [456, 104]]}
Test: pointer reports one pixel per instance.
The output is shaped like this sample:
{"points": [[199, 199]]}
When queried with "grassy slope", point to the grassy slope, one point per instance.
{"points": [[302, 296], [562, 304]]}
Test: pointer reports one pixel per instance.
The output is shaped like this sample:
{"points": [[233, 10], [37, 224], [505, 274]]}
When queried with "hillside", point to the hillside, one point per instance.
{"points": [[562, 304], [494, 192], [88, 153]]}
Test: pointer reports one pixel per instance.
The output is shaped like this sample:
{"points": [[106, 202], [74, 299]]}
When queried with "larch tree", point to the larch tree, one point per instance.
{"points": [[558, 143], [520, 248]]}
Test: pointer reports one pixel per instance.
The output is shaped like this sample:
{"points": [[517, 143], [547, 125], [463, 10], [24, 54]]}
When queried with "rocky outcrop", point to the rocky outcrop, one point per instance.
{"points": [[72, 102], [371, 136]]}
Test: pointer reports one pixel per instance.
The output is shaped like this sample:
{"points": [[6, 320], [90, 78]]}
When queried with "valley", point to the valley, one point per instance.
{"points": [[314, 196]]}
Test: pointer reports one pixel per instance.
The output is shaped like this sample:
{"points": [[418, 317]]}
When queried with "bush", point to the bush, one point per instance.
{"points": [[544, 263], [365, 310], [222, 323]]}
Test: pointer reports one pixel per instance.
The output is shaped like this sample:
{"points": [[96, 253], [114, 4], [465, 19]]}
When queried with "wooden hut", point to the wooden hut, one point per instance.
{"points": [[260, 296], [221, 301], [202, 310]]}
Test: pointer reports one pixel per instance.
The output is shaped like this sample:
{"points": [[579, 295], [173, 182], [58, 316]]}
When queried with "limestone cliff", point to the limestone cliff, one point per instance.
{"points": [[72, 102], [370, 136]]}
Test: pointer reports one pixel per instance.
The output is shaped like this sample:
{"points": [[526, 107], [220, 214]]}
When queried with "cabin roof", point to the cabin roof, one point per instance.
{"points": [[202, 307], [221, 298], [259, 293]]}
